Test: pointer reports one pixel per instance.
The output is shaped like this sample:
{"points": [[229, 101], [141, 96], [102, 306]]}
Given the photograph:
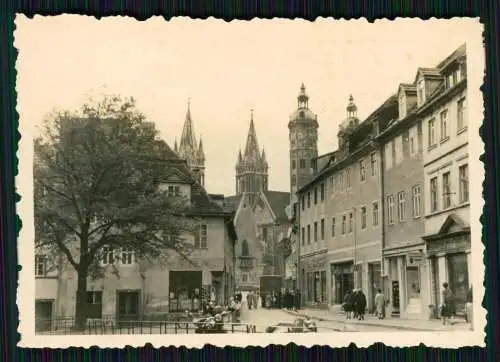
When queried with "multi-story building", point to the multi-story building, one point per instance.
{"points": [[403, 219], [442, 105], [130, 287], [340, 226], [260, 218]]}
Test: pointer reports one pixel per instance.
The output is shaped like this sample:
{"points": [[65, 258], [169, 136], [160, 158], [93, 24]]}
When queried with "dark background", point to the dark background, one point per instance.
{"points": [[487, 10]]}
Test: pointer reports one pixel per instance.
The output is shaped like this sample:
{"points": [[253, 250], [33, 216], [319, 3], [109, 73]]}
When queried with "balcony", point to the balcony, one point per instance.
{"points": [[245, 262]]}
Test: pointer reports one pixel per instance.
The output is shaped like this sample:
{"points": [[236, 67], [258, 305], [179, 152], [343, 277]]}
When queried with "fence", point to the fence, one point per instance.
{"points": [[66, 326]]}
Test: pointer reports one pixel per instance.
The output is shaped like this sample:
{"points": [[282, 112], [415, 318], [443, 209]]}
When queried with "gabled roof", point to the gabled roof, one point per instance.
{"points": [[407, 87], [427, 72], [278, 201]]}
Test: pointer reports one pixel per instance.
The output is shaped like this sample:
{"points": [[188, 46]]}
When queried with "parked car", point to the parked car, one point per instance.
{"points": [[299, 325]]}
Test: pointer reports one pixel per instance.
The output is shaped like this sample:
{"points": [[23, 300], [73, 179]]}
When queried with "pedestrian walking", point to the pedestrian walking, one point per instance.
{"points": [[249, 300], [348, 305], [352, 304], [448, 305], [360, 305], [468, 308], [380, 304]]}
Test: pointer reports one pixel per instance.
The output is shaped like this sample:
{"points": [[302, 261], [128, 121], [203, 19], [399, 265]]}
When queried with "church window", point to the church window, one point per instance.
{"points": [[322, 189], [244, 248], [302, 114], [294, 164], [315, 196], [303, 201], [309, 199], [294, 180]]}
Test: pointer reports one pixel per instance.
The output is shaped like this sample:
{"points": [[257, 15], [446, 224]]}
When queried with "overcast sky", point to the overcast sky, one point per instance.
{"points": [[226, 69]]}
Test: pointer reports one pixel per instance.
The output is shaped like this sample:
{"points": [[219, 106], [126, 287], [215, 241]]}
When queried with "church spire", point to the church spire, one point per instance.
{"points": [[201, 153], [252, 146], [190, 150], [351, 108], [188, 144], [176, 148]]}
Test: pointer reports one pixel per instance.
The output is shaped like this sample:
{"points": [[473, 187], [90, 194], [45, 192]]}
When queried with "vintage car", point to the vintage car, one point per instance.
{"points": [[299, 325]]}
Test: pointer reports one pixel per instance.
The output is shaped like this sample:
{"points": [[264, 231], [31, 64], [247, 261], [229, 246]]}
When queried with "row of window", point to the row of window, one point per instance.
{"points": [[416, 195], [123, 256], [340, 182], [461, 123], [404, 146], [446, 185], [347, 224]]}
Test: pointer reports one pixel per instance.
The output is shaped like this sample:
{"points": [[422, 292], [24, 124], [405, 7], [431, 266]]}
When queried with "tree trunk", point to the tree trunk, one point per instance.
{"points": [[81, 301]]}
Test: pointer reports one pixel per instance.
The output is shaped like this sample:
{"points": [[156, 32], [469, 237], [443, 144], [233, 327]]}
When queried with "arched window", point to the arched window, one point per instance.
{"points": [[244, 248], [294, 180]]}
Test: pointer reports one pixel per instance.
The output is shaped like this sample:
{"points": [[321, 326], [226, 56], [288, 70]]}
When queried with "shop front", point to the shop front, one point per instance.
{"points": [[314, 273], [342, 280], [407, 281], [449, 259]]}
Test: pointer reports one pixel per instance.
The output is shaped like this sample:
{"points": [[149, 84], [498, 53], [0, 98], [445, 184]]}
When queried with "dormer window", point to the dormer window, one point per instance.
{"points": [[402, 106], [421, 92]]}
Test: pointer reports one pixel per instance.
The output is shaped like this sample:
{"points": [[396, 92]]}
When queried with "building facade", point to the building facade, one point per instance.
{"points": [[405, 270], [340, 211], [260, 218], [442, 101], [131, 287]]}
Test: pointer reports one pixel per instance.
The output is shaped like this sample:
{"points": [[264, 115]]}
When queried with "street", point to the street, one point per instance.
{"points": [[262, 318]]}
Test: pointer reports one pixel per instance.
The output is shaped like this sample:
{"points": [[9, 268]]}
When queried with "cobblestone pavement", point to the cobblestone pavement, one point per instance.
{"points": [[262, 318], [396, 324]]}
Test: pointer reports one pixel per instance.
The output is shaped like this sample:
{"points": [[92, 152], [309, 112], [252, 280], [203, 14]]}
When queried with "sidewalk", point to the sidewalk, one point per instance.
{"points": [[370, 320]]}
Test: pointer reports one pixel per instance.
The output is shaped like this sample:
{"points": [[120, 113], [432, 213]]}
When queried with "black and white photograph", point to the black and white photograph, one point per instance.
{"points": [[187, 181]]}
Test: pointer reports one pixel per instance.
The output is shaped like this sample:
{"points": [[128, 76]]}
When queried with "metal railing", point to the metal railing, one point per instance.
{"points": [[109, 325]]}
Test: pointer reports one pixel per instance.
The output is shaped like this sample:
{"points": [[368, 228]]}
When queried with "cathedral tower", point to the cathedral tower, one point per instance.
{"points": [[303, 132], [251, 166], [190, 150]]}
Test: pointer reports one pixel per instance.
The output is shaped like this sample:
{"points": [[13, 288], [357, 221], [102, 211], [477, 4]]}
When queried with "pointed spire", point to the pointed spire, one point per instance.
{"points": [[201, 153], [188, 146], [240, 157], [263, 157], [252, 146], [176, 148]]}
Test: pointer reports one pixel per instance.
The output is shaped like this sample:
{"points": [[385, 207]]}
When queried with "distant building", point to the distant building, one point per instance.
{"points": [[260, 219], [169, 284], [190, 150]]}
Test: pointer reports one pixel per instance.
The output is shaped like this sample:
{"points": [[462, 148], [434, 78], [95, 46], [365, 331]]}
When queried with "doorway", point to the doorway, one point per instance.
{"points": [[374, 272], [43, 315], [459, 280], [128, 305]]}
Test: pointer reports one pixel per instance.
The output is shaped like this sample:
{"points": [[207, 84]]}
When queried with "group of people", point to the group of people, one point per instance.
{"points": [[355, 304], [285, 298]]}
